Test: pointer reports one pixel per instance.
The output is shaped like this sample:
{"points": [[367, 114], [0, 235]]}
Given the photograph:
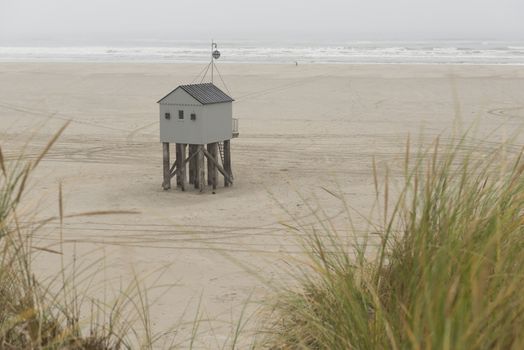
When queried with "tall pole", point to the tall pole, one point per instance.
{"points": [[215, 54], [212, 63]]}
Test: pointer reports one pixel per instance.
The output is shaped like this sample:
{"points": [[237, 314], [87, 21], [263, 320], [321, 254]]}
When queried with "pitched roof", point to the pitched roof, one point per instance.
{"points": [[206, 93]]}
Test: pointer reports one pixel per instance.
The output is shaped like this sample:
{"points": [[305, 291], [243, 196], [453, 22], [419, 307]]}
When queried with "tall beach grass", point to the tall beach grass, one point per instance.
{"points": [[51, 314], [448, 272]]}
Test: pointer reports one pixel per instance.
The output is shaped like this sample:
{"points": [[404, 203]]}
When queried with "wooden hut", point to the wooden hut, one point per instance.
{"points": [[198, 119]]}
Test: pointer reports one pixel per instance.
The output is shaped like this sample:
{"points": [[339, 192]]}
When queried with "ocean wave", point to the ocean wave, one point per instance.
{"points": [[354, 52]]}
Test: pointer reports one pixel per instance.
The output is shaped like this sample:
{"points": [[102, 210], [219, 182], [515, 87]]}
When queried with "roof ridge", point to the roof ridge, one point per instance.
{"points": [[197, 84], [205, 93]]}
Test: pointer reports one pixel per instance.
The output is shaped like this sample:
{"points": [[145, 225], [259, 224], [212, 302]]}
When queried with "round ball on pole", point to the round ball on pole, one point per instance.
{"points": [[216, 54]]}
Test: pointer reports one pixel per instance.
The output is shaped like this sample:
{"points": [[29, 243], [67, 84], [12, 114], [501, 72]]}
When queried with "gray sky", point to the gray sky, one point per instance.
{"points": [[102, 21]]}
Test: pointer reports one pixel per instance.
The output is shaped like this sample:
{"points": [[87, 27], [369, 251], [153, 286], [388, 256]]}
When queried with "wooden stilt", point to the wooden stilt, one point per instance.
{"points": [[178, 163], [192, 163], [196, 169], [186, 153], [227, 163], [209, 166], [214, 170], [166, 185], [182, 166], [201, 168]]}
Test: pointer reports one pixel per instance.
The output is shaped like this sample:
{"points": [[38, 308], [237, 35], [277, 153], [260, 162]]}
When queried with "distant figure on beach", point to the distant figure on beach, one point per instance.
{"points": [[296, 63]]}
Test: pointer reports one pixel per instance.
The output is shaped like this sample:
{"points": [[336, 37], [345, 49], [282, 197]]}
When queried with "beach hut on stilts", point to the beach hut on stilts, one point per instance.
{"points": [[198, 120]]}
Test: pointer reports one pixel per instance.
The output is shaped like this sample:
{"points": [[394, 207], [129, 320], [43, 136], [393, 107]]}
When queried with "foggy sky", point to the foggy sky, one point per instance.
{"points": [[100, 21]]}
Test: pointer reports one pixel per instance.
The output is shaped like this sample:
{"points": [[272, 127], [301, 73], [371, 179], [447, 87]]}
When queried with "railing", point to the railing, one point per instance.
{"points": [[235, 127]]}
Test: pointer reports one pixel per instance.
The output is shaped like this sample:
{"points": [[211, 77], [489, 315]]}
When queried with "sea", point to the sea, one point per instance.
{"points": [[353, 52]]}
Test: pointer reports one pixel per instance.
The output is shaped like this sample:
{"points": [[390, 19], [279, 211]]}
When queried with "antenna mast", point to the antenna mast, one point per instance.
{"points": [[215, 55]]}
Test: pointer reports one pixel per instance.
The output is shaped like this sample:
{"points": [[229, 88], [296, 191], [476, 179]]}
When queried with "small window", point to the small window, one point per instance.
{"points": [[167, 116], [193, 116], [180, 114]]}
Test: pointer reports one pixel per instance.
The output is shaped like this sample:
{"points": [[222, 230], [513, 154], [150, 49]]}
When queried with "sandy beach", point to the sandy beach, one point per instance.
{"points": [[302, 128]]}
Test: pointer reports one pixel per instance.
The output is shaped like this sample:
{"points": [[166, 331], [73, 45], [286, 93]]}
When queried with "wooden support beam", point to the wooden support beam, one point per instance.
{"points": [[201, 169], [196, 165], [181, 178], [166, 185], [227, 163], [173, 169], [188, 159], [178, 161], [209, 166], [192, 164], [227, 178], [214, 170]]}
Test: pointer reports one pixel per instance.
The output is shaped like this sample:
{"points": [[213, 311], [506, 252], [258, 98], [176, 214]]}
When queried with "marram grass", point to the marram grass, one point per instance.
{"points": [[36, 315], [59, 313], [449, 272]]}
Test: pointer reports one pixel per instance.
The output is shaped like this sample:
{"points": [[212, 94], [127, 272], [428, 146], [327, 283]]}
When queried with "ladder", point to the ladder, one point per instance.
{"points": [[221, 150]]}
